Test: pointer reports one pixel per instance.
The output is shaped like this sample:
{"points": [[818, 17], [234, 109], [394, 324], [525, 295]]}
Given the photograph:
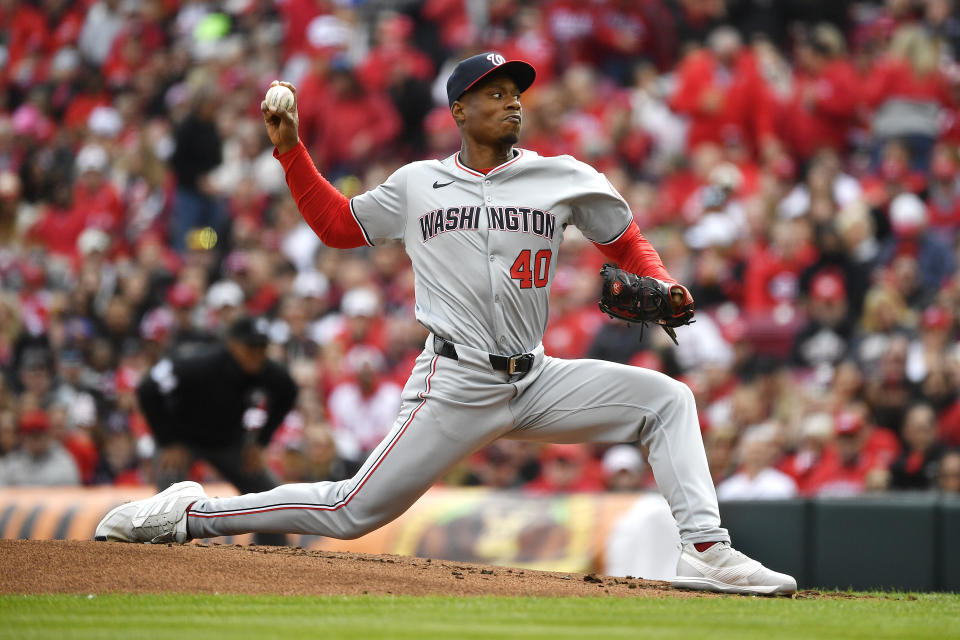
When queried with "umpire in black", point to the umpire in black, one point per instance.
{"points": [[222, 405]]}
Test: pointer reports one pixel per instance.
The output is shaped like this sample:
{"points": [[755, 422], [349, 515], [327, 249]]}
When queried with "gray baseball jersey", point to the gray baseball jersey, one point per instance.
{"points": [[484, 249]]}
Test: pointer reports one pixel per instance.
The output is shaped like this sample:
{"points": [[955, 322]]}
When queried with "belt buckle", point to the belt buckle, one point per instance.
{"points": [[517, 361]]}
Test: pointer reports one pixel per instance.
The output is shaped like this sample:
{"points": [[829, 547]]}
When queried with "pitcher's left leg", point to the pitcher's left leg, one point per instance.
{"points": [[590, 400], [597, 401]]}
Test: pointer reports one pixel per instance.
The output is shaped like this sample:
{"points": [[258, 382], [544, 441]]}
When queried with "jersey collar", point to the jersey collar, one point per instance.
{"points": [[460, 165]]}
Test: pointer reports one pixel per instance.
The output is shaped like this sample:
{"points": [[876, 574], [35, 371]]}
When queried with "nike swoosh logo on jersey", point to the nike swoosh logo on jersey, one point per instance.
{"points": [[437, 185]]}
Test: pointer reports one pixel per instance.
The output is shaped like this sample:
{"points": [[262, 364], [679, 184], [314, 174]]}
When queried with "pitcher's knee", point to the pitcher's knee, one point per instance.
{"points": [[359, 530], [354, 524], [680, 401], [686, 393], [681, 397]]}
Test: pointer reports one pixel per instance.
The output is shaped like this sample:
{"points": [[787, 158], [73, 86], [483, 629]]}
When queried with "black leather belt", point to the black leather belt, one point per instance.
{"points": [[518, 365]]}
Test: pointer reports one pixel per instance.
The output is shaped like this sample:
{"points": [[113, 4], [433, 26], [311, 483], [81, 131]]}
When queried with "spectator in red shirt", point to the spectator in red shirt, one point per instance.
{"points": [[531, 41], [451, 20], [850, 469], [59, 224], [394, 59], [126, 58], [571, 24], [823, 101], [64, 21], [623, 34], [95, 199], [300, 17], [358, 125], [906, 92], [722, 93], [773, 270], [814, 451], [879, 443], [26, 31], [313, 92], [89, 94], [404, 72]]}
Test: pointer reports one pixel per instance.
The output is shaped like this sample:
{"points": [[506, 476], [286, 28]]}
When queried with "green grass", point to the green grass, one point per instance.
{"points": [[369, 617]]}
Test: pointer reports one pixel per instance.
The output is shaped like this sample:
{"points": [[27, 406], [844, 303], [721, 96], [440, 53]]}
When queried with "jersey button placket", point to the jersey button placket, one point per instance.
{"points": [[488, 198], [498, 319]]}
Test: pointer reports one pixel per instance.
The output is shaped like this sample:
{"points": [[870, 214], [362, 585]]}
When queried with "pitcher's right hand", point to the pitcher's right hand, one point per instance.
{"points": [[282, 126]]}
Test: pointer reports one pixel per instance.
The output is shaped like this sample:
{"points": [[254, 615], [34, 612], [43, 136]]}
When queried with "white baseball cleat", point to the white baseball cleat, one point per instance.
{"points": [[162, 518], [723, 569]]}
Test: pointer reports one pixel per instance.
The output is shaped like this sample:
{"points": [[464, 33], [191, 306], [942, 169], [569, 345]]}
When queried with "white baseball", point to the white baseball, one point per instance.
{"points": [[280, 97]]}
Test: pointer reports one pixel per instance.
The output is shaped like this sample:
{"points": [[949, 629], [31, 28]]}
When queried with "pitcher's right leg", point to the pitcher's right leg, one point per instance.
{"points": [[436, 428]]}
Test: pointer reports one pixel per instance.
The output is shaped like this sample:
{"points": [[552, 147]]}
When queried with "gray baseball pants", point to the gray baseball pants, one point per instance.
{"points": [[453, 407]]}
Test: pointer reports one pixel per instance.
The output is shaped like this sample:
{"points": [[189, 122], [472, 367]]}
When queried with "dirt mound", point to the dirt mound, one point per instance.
{"points": [[70, 566], [53, 566]]}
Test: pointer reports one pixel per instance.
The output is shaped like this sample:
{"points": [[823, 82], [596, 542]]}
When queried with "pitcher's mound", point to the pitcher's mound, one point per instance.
{"points": [[55, 566]]}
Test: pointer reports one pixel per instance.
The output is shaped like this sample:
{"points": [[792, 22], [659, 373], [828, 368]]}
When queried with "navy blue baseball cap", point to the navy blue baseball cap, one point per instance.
{"points": [[250, 331], [470, 71]]}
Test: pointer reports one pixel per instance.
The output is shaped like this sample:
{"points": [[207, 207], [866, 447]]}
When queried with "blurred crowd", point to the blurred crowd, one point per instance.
{"points": [[795, 163]]}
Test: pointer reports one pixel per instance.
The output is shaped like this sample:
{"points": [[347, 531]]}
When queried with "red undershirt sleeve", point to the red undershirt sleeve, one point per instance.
{"points": [[325, 209], [631, 251]]}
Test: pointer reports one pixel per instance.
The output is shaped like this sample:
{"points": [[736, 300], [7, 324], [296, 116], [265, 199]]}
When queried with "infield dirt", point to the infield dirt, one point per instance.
{"points": [[56, 566]]}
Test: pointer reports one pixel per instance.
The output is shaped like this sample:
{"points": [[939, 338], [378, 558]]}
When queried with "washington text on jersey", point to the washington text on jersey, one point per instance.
{"points": [[516, 219]]}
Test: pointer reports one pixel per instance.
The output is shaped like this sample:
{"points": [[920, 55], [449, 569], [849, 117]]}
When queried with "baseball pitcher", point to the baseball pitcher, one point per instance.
{"points": [[482, 229]]}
